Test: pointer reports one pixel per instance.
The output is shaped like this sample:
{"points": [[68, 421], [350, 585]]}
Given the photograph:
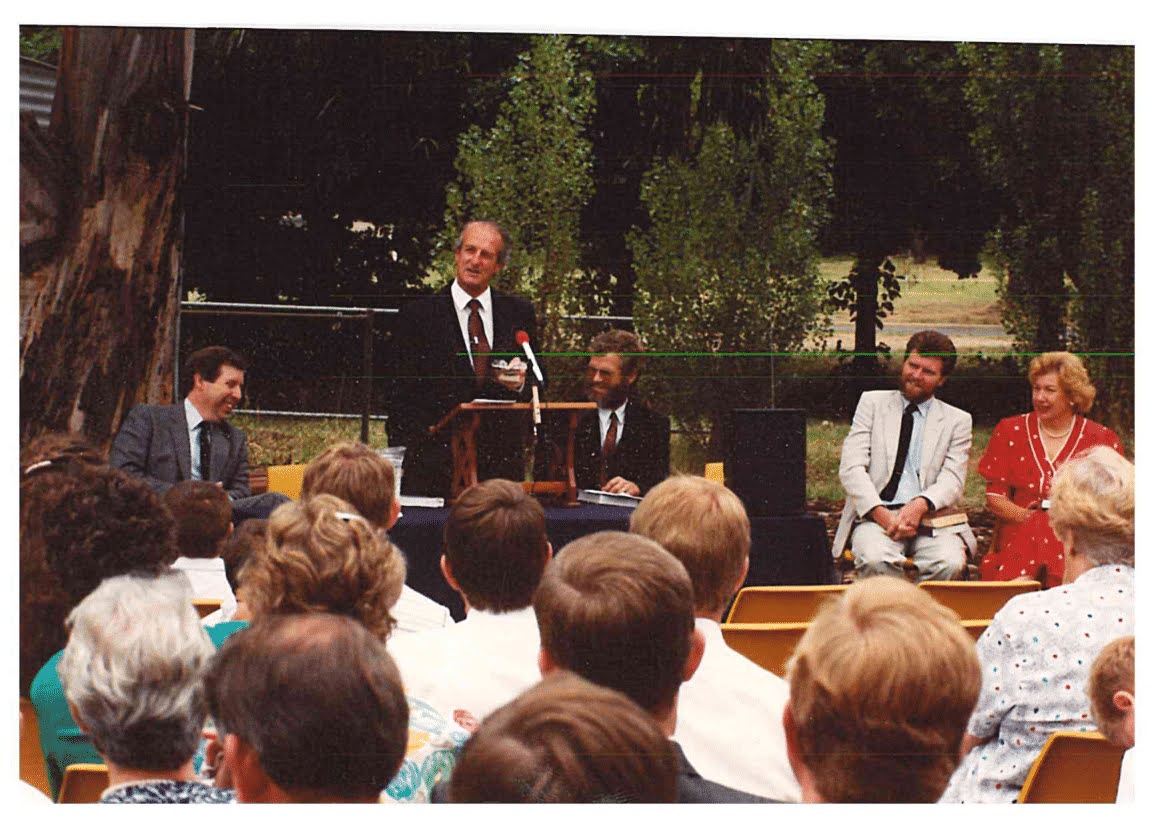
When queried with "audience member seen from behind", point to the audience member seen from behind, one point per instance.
{"points": [[1020, 461], [1111, 703], [132, 673], [1037, 652], [566, 741], [248, 536], [617, 609], [494, 554], [729, 720], [309, 709], [97, 523], [202, 514], [44, 605], [321, 556], [359, 475], [881, 687]]}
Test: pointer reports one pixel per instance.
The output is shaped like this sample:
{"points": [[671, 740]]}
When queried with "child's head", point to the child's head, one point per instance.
{"points": [[1111, 691], [250, 535], [202, 511]]}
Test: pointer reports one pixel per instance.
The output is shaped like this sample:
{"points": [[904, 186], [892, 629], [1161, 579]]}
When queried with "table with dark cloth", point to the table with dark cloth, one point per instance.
{"points": [[788, 550]]}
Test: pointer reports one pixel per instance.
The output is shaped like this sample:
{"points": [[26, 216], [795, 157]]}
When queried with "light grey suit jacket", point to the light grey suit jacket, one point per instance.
{"points": [[154, 444], [868, 456]]}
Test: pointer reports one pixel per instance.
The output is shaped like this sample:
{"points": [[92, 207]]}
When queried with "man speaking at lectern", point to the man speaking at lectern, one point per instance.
{"points": [[445, 349]]}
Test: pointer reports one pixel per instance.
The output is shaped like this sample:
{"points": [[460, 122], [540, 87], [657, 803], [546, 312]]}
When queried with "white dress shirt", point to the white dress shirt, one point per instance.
{"points": [[729, 721], [193, 420], [461, 302], [605, 422], [478, 665], [415, 612], [208, 580]]}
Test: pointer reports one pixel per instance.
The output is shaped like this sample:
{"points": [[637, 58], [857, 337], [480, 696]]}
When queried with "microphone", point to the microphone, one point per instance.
{"points": [[524, 340]]}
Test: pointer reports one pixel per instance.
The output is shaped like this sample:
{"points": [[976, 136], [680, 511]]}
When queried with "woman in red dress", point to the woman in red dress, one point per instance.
{"points": [[1023, 454]]}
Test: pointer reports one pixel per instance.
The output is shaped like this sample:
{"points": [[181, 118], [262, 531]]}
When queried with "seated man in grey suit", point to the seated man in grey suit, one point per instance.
{"points": [[191, 440], [906, 455]]}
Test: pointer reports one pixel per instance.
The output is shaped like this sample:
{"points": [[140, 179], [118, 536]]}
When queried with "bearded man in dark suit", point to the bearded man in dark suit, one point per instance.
{"points": [[624, 447], [443, 351]]}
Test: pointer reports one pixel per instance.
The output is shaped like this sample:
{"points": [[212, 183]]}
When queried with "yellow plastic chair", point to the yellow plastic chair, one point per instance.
{"points": [[779, 604], [286, 479], [769, 645], [83, 784], [976, 626], [715, 471], [976, 599], [1074, 768], [205, 605], [32, 760]]}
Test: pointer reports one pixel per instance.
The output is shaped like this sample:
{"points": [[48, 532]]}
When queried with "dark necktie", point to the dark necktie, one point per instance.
{"points": [[478, 343], [204, 450], [609, 444], [905, 429]]}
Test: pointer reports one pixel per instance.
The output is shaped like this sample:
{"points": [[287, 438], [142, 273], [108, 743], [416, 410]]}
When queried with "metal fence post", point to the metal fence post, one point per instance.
{"points": [[368, 337]]}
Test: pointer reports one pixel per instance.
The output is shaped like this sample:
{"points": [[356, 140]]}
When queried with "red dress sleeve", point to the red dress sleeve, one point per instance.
{"points": [[999, 460]]}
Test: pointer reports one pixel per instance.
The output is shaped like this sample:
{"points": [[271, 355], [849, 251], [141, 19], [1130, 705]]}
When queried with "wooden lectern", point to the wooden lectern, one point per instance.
{"points": [[464, 421]]}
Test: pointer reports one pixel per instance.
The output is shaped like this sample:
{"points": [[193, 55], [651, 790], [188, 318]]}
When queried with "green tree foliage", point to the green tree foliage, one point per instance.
{"points": [[41, 43], [905, 176], [1055, 134], [531, 172], [726, 265]]}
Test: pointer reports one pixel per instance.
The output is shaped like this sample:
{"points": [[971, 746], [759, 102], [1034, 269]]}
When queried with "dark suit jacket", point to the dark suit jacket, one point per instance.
{"points": [[693, 788], [642, 455], [432, 374], [154, 444]]}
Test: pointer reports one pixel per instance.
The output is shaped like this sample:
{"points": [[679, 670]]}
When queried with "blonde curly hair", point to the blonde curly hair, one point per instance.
{"points": [[321, 556], [1070, 372], [1092, 500]]}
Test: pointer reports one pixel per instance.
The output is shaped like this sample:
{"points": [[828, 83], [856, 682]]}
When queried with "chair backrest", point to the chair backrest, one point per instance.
{"points": [[976, 627], [779, 604], [974, 599], [715, 471], [32, 760], [286, 479], [1074, 768], [205, 605], [83, 784], [769, 645]]}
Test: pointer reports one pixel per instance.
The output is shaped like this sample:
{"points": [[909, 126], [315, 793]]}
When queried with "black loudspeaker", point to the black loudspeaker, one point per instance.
{"points": [[766, 463]]}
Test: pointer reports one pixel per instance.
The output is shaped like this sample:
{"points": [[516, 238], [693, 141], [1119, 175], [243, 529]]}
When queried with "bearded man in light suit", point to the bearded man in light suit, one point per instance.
{"points": [[891, 483]]}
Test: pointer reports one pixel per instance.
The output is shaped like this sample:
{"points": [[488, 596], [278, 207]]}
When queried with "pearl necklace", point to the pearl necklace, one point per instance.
{"points": [[1044, 432]]}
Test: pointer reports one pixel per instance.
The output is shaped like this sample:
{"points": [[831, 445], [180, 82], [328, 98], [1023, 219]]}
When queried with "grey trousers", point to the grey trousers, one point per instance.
{"points": [[936, 558]]}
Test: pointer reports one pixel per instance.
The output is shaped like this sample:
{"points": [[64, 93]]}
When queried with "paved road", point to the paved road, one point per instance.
{"points": [[965, 335]]}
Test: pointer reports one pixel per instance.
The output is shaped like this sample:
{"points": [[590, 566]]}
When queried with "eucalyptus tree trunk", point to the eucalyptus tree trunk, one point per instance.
{"points": [[101, 231]]}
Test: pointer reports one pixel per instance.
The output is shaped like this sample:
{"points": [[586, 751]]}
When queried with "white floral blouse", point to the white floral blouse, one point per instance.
{"points": [[1036, 655]]}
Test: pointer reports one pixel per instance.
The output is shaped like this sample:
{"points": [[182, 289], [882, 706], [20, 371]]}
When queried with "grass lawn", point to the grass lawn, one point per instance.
{"points": [[284, 440], [930, 293]]}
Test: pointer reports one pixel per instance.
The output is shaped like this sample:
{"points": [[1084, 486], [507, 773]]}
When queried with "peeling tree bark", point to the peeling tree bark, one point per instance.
{"points": [[99, 281]]}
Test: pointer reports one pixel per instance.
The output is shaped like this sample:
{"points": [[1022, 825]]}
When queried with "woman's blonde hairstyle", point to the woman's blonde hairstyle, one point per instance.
{"points": [[1070, 370], [321, 556], [1092, 499]]}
